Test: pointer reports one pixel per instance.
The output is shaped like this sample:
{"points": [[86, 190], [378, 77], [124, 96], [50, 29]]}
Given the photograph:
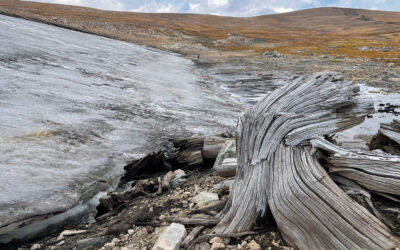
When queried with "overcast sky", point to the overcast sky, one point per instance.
{"points": [[228, 7]]}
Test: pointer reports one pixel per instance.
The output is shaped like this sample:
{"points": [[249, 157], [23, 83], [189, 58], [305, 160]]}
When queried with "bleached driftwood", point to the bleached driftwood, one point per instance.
{"points": [[374, 171], [277, 170], [388, 138], [226, 163], [391, 130], [212, 146]]}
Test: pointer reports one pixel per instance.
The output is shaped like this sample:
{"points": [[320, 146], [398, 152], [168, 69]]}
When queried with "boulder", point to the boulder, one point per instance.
{"points": [[178, 179], [203, 198], [171, 238], [253, 245]]}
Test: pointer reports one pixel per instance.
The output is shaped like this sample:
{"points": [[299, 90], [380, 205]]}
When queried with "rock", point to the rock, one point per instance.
{"points": [[203, 198], [253, 245], [197, 188], [167, 179], [394, 79], [216, 239], [364, 49], [171, 238], [90, 242], [36, 246], [178, 179], [202, 246], [109, 246], [267, 53], [217, 245], [69, 233], [115, 240], [131, 231], [276, 54]]}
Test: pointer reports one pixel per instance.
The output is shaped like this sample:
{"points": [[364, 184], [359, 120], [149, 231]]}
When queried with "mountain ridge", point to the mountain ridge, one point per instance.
{"points": [[327, 30]]}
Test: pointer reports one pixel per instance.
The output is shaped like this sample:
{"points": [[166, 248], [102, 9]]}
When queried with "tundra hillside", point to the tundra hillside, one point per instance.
{"points": [[335, 32]]}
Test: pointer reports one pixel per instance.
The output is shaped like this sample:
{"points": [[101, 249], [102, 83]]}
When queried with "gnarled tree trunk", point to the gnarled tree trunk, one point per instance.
{"points": [[277, 170]]}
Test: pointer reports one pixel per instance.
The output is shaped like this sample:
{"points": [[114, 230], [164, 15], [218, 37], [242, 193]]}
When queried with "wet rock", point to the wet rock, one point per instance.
{"points": [[171, 238], [204, 198], [253, 245], [70, 233]]}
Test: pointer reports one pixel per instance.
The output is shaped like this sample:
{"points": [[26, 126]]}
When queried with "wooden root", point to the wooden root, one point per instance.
{"points": [[277, 170]]}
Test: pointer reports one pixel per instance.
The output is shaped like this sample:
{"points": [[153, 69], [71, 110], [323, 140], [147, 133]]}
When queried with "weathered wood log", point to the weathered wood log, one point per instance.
{"points": [[140, 169], [276, 169], [212, 146], [190, 151], [388, 138], [226, 163], [193, 235], [392, 130], [194, 221], [373, 170]]}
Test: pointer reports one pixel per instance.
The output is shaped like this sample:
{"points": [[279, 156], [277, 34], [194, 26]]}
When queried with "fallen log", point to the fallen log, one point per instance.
{"points": [[212, 146], [190, 151], [194, 221], [226, 163], [392, 130], [277, 170], [388, 138], [374, 171]]}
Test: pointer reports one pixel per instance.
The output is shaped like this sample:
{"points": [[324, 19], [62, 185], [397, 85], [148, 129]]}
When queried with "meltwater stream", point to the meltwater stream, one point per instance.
{"points": [[74, 108]]}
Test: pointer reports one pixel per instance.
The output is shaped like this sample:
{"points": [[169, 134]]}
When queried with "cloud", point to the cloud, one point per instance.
{"points": [[98, 4], [155, 7], [281, 9], [228, 7], [215, 4]]}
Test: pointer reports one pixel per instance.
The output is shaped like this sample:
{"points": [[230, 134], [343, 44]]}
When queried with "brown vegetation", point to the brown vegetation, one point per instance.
{"points": [[333, 31]]}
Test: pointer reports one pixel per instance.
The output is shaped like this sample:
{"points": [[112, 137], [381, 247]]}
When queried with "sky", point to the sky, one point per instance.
{"points": [[228, 7]]}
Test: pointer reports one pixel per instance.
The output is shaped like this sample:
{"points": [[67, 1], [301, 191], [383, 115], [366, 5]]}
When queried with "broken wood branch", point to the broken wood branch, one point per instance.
{"points": [[373, 170], [193, 235], [388, 138], [194, 221], [226, 163]]}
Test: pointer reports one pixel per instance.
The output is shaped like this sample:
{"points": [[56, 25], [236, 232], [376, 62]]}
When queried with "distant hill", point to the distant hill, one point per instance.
{"points": [[335, 31]]}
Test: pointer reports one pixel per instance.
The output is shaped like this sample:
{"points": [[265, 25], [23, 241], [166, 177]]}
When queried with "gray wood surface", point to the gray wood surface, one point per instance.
{"points": [[277, 170]]}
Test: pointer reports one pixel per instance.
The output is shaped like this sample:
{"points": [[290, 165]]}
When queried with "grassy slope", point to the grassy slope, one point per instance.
{"points": [[334, 31]]}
